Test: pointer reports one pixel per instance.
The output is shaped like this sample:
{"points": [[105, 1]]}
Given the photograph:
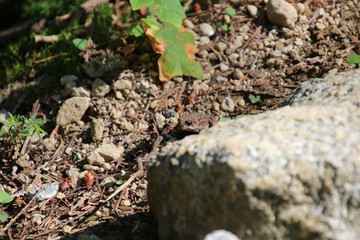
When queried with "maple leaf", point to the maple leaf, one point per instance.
{"points": [[167, 11], [177, 49]]}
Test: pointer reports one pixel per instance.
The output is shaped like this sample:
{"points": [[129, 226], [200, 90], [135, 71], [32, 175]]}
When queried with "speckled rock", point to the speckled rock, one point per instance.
{"points": [[291, 173], [72, 110]]}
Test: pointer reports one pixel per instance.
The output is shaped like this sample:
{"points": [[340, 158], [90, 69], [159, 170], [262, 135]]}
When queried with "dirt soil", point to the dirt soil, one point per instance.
{"points": [[248, 70]]}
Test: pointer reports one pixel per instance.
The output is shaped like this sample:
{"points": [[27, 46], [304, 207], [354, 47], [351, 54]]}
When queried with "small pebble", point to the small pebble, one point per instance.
{"points": [[223, 67], [238, 74], [320, 26], [122, 84], [130, 112], [228, 104], [204, 39], [220, 46], [253, 10], [227, 19], [188, 24], [300, 8], [206, 29], [298, 42], [67, 79]]}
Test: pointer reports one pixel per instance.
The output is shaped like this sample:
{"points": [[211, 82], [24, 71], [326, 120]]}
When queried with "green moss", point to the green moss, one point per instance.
{"points": [[102, 26], [49, 8]]}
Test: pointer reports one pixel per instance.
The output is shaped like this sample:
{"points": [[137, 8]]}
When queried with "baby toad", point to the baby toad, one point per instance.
{"points": [[194, 122]]}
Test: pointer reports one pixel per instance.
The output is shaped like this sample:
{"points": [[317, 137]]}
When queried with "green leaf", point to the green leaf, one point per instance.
{"points": [[354, 58], [80, 43], [3, 217], [135, 30], [240, 116], [167, 11], [254, 99], [225, 27], [4, 197], [224, 119], [120, 181], [231, 28], [177, 49], [230, 11]]}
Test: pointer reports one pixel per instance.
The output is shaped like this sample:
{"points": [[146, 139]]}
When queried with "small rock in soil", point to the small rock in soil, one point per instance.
{"points": [[281, 13], [99, 88], [228, 104], [206, 29]]}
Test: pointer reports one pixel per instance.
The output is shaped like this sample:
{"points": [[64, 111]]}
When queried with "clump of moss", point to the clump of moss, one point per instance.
{"points": [[23, 59]]}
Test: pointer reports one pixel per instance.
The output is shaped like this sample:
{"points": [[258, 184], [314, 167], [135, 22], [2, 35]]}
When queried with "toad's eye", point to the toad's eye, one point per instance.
{"points": [[188, 122]]}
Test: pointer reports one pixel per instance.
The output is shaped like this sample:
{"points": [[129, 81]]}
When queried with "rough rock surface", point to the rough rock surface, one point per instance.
{"points": [[72, 110], [292, 173], [281, 13]]}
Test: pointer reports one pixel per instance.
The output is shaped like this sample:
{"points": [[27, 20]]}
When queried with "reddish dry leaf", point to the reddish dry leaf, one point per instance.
{"points": [[64, 185], [89, 179]]}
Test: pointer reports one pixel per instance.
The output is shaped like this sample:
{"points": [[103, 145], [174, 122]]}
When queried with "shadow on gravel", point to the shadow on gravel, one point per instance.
{"points": [[139, 226]]}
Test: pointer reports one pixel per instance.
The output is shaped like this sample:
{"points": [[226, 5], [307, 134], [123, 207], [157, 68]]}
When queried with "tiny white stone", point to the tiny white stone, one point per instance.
{"points": [[206, 29]]}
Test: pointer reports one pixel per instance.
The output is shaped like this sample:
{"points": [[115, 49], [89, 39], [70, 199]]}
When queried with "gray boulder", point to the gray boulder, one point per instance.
{"points": [[291, 173]]}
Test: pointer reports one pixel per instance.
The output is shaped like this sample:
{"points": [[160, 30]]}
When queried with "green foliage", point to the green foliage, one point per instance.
{"points": [[120, 181], [254, 99], [20, 127], [135, 30], [177, 49], [3, 217], [354, 58], [167, 11], [102, 26], [224, 119], [4, 197], [226, 27], [49, 8], [80, 43], [240, 116], [19, 58], [230, 11]]}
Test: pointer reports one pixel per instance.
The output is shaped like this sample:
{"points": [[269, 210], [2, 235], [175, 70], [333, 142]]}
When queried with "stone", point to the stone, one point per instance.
{"points": [[48, 191], [97, 129], [24, 161], [221, 235], [224, 67], [74, 173], [290, 173], [228, 104], [320, 26], [96, 159], [110, 151], [220, 46], [122, 85], [67, 79], [107, 182], [80, 92], [253, 10], [99, 65], [281, 13], [206, 29], [49, 144], [99, 88], [188, 24], [159, 120], [300, 8], [204, 40], [72, 110]]}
